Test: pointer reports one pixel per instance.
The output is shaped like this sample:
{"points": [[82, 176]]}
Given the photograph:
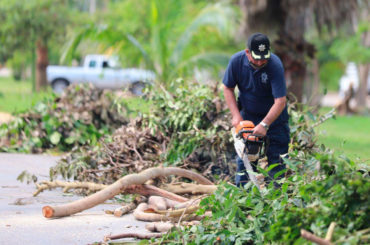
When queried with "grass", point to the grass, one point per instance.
{"points": [[136, 105], [349, 135], [17, 96]]}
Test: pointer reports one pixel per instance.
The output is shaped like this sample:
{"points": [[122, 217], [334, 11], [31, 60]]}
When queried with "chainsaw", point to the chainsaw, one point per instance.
{"points": [[248, 146]]}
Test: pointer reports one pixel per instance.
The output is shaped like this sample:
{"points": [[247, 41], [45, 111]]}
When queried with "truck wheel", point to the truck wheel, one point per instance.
{"points": [[59, 85], [137, 88]]}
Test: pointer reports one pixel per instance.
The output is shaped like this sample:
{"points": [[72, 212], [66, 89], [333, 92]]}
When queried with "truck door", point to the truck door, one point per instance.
{"points": [[95, 73], [109, 75]]}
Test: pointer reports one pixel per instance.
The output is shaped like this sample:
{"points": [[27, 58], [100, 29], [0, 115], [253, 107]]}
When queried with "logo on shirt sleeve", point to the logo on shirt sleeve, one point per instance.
{"points": [[264, 77]]}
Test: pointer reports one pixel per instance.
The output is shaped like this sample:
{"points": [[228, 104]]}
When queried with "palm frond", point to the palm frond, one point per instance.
{"points": [[216, 15], [71, 46], [211, 59], [145, 54]]}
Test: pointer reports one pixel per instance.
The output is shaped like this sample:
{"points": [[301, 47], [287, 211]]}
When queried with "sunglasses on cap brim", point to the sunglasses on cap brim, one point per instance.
{"points": [[261, 57]]}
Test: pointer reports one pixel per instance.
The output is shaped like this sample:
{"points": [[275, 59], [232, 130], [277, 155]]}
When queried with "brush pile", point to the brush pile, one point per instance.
{"points": [[80, 116], [188, 128]]}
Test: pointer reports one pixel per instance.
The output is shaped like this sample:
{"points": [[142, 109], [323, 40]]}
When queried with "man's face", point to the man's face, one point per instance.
{"points": [[257, 64]]}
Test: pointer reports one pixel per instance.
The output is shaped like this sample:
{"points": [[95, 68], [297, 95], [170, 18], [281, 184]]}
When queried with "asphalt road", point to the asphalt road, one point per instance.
{"points": [[21, 220]]}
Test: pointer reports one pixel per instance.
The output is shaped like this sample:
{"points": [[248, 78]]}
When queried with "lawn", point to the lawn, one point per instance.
{"points": [[17, 96], [347, 134]]}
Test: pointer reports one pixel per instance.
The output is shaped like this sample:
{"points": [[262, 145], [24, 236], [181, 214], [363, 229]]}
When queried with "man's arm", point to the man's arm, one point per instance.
{"points": [[231, 103], [272, 115]]}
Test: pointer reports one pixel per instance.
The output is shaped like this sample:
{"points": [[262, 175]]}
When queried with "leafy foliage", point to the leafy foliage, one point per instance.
{"points": [[187, 127], [321, 188], [352, 49], [193, 116], [25, 22], [163, 38], [302, 123], [79, 117]]}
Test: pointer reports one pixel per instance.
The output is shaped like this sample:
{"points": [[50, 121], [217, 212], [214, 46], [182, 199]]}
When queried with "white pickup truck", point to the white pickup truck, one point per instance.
{"points": [[103, 72]]}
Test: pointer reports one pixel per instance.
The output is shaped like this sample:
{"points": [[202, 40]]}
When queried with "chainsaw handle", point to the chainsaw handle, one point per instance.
{"points": [[250, 132]]}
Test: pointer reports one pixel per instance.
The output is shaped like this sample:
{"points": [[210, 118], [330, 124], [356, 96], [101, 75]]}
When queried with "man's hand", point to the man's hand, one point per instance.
{"points": [[259, 130], [236, 120], [231, 103]]}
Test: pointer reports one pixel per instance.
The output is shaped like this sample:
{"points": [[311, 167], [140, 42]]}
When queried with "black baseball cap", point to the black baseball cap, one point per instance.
{"points": [[259, 46]]}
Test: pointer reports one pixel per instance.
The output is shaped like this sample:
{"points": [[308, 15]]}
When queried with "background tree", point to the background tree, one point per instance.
{"points": [[288, 21], [163, 38], [31, 25]]}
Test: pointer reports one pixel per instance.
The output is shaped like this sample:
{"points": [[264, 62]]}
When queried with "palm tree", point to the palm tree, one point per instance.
{"points": [[164, 51], [287, 21]]}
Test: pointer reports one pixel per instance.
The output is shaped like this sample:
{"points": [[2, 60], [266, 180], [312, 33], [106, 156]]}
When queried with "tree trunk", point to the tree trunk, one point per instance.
{"points": [[292, 52], [297, 85], [363, 76], [315, 95], [362, 89], [117, 187], [41, 63]]}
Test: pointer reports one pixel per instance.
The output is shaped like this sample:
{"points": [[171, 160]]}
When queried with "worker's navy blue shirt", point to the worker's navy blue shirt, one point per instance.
{"points": [[257, 88]]}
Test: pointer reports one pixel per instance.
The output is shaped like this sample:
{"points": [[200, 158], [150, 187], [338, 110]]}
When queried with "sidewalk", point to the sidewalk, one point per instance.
{"points": [[331, 99]]}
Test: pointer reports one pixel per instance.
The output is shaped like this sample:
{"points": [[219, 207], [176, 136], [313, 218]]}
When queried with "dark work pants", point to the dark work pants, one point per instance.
{"points": [[279, 143]]}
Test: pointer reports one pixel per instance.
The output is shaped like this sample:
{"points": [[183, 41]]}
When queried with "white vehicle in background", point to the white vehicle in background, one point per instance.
{"points": [[103, 72]]}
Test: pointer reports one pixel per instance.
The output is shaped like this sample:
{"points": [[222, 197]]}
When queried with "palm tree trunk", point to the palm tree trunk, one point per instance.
{"points": [[292, 52], [362, 90], [315, 95], [298, 77], [42, 62], [364, 74]]}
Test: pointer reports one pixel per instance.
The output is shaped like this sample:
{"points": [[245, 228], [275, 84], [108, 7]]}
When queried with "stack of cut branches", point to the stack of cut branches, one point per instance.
{"points": [[190, 130], [73, 119], [131, 149], [163, 204], [90, 105]]}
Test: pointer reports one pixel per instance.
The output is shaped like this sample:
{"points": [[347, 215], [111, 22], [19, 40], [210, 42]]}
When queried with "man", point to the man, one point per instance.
{"points": [[259, 75]]}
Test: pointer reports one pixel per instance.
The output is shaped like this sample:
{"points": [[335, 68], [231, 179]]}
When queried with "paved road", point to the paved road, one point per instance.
{"points": [[21, 220]]}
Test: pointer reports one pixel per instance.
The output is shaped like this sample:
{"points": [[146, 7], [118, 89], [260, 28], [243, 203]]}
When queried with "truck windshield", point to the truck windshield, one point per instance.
{"points": [[92, 63]]}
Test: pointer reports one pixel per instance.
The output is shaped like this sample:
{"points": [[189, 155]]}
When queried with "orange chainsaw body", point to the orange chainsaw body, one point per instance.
{"points": [[247, 126]]}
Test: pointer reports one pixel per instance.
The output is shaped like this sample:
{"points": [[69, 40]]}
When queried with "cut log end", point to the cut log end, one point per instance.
{"points": [[47, 211]]}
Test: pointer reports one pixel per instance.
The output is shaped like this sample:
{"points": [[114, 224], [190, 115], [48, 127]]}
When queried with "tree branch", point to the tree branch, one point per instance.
{"points": [[135, 235], [311, 237], [117, 187]]}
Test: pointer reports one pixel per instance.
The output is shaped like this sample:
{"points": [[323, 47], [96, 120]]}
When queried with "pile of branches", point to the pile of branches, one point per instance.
{"points": [[153, 204], [80, 116], [89, 105], [188, 128], [130, 149]]}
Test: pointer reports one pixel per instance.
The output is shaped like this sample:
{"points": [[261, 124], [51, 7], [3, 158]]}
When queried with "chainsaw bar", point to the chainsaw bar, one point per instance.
{"points": [[240, 150]]}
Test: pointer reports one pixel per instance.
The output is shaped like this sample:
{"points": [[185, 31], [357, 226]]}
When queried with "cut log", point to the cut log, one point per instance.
{"points": [[330, 232], [189, 188], [45, 185], [166, 226], [133, 235], [159, 226], [162, 203], [140, 214], [145, 190], [118, 212], [158, 202], [150, 190], [177, 212], [144, 213], [118, 187], [311, 237]]}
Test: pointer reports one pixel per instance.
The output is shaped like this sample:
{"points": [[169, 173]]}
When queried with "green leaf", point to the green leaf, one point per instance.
{"points": [[55, 138]]}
